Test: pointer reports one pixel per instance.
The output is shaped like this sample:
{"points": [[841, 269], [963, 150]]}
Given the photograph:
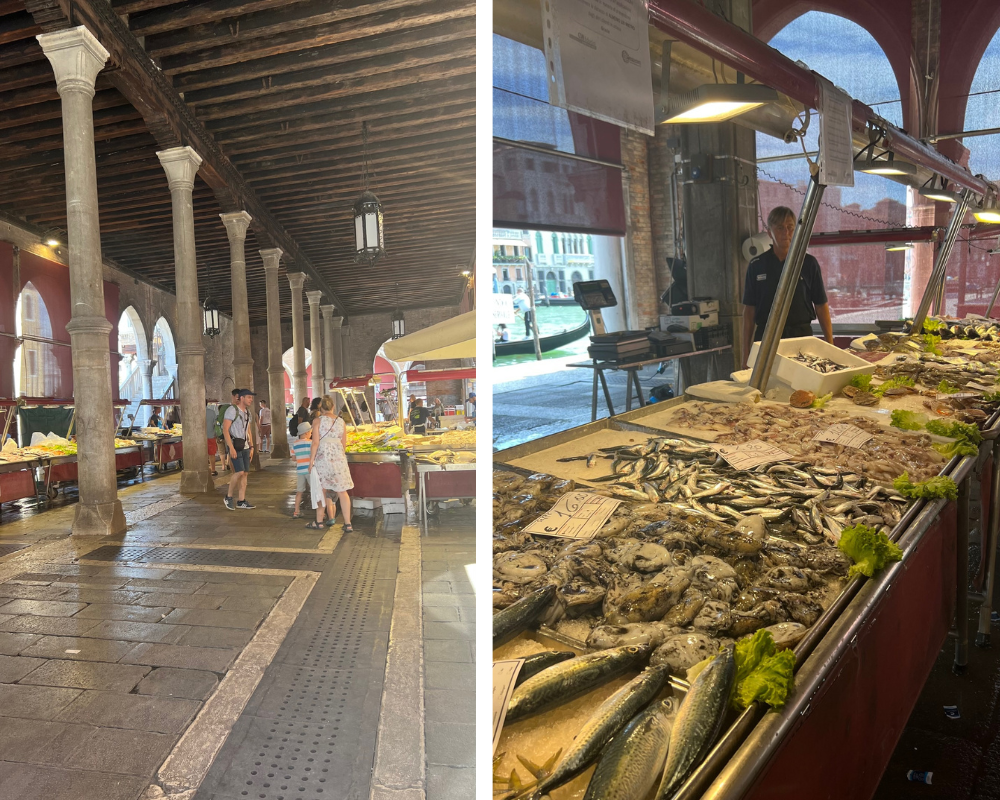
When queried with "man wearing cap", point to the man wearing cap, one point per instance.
{"points": [[470, 407], [238, 433]]}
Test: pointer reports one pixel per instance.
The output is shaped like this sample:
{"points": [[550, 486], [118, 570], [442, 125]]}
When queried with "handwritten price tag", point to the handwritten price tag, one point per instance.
{"points": [[750, 454], [576, 515], [504, 677], [842, 433]]}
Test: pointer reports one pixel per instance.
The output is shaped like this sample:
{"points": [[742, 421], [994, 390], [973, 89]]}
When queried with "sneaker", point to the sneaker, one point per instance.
{"points": [[244, 504], [229, 504]]}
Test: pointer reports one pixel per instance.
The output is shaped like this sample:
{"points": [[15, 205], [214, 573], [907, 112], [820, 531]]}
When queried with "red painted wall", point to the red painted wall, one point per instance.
{"points": [[51, 280]]}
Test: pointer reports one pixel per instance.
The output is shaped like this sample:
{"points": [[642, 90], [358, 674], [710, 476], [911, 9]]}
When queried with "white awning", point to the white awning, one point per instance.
{"points": [[453, 338]]}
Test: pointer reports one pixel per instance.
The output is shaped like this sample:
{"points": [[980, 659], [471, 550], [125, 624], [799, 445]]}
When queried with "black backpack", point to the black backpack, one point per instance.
{"points": [[293, 426]]}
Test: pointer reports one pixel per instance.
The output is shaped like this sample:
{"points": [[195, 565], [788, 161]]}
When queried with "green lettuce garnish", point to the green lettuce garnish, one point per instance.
{"points": [[908, 420], [940, 486], [991, 397], [762, 672], [870, 550], [893, 383], [955, 448], [947, 388], [819, 402], [931, 343], [932, 325], [862, 382], [955, 430]]}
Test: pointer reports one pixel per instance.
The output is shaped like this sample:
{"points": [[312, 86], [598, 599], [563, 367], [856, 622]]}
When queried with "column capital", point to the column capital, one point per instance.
{"points": [[314, 297], [236, 224], [181, 165], [336, 321], [296, 279], [328, 311], [271, 257], [76, 57]]}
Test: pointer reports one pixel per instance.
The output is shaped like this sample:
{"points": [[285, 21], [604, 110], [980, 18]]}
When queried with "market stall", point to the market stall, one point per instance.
{"points": [[158, 446]]}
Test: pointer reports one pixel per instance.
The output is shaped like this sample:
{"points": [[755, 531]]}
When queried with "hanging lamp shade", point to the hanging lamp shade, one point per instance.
{"points": [[210, 311], [398, 325], [369, 243]]}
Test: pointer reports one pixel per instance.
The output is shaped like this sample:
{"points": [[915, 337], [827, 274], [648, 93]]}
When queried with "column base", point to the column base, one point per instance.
{"points": [[99, 519], [280, 451], [196, 482]]}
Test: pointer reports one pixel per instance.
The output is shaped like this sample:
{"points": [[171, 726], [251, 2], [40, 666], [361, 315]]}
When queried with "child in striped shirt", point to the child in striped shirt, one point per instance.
{"points": [[301, 448]]}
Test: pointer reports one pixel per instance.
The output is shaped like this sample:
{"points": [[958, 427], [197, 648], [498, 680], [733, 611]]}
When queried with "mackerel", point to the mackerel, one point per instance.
{"points": [[698, 721], [509, 622], [537, 662], [612, 715], [570, 679]]}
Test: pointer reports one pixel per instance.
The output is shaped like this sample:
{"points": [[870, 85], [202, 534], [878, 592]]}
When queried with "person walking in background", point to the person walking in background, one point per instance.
{"points": [[437, 408], [265, 427], [328, 457], [220, 418], [173, 417], [470, 407], [418, 417], [522, 308], [155, 420], [238, 432], [304, 409], [211, 415], [302, 450]]}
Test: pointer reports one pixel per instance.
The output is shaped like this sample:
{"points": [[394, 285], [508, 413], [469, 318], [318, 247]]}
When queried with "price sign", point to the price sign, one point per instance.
{"points": [[847, 435], [750, 454], [576, 515], [504, 676]]}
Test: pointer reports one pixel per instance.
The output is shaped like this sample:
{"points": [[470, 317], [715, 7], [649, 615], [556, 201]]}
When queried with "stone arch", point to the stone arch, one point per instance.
{"points": [[36, 370], [982, 155]]}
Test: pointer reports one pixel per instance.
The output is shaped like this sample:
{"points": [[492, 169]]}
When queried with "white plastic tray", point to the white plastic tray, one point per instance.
{"points": [[799, 376]]}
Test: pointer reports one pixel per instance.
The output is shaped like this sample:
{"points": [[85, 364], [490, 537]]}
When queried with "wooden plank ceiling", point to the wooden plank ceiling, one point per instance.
{"points": [[276, 91]]}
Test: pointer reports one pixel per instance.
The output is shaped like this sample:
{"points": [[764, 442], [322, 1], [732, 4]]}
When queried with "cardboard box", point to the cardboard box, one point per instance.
{"points": [[691, 323]]}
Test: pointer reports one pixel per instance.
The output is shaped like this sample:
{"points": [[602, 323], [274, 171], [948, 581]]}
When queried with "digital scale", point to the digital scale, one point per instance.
{"points": [[592, 297]]}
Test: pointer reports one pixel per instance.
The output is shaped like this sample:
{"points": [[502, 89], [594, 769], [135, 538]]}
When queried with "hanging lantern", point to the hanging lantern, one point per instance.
{"points": [[210, 312], [398, 325], [369, 240]]}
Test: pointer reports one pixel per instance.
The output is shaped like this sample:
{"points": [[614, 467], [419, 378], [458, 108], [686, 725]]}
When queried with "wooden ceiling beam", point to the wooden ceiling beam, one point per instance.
{"points": [[345, 52], [29, 115], [371, 18], [30, 74], [103, 120], [180, 16], [17, 27]]}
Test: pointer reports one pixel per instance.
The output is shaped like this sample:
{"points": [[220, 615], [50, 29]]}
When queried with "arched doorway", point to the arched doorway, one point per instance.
{"points": [[288, 362], [36, 368], [134, 380], [164, 361]]}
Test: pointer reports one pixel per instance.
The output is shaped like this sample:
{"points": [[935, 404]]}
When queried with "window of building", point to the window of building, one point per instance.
{"points": [[517, 273], [506, 274]]}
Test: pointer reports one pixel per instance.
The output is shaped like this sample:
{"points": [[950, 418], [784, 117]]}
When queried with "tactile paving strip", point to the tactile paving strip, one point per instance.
{"points": [[309, 730], [213, 558]]}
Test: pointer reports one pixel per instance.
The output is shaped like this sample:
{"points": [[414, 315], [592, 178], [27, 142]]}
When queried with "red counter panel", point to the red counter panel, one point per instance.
{"points": [[17, 485], [445, 485], [376, 479]]}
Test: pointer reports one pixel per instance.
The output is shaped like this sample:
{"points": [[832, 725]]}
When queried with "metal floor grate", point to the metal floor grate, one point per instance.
{"points": [[213, 558], [309, 730], [7, 549]]}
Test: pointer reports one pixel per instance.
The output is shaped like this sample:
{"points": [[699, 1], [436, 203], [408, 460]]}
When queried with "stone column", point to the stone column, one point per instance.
{"points": [[275, 371], [336, 324], [146, 369], [236, 227], [300, 388], [181, 164], [316, 343], [329, 371], [76, 58]]}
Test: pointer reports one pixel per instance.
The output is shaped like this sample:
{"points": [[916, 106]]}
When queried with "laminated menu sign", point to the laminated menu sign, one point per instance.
{"points": [[750, 454], [836, 145], [504, 677], [576, 515], [597, 60], [847, 435]]}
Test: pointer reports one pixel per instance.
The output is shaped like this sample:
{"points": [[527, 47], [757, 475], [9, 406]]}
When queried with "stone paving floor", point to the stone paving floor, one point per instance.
{"points": [[105, 662]]}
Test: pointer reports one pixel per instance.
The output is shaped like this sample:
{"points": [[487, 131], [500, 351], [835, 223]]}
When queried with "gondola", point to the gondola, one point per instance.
{"points": [[547, 343]]}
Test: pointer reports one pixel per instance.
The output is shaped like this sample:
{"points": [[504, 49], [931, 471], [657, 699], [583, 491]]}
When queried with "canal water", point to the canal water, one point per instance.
{"points": [[551, 319]]}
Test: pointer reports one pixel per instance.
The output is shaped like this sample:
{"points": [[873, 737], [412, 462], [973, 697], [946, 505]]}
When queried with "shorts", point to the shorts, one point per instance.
{"points": [[242, 461], [213, 448], [265, 430], [301, 482]]}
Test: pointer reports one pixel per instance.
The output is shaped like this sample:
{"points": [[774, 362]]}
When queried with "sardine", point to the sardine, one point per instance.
{"points": [[698, 721], [517, 617], [612, 715], [570, 679], [537, 662], [632, 762]]}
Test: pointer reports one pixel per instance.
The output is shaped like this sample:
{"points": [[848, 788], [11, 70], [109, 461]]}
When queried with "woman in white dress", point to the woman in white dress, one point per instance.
{"points": [[329, 459]]}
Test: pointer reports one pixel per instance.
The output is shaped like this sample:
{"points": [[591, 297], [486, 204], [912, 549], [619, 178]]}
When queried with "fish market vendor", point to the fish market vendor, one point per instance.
{"points": [[809, 302]]}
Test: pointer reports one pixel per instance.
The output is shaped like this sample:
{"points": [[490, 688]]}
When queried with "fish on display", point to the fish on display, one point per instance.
{"points": [[509, 622], [537, 662], [559, 684], [629, 766], [817, 363], [609, 718], [698, 721]]}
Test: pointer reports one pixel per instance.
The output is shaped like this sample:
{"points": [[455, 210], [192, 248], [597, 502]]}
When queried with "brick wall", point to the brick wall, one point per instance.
{"points": [[661, 212], [640, 241]]}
